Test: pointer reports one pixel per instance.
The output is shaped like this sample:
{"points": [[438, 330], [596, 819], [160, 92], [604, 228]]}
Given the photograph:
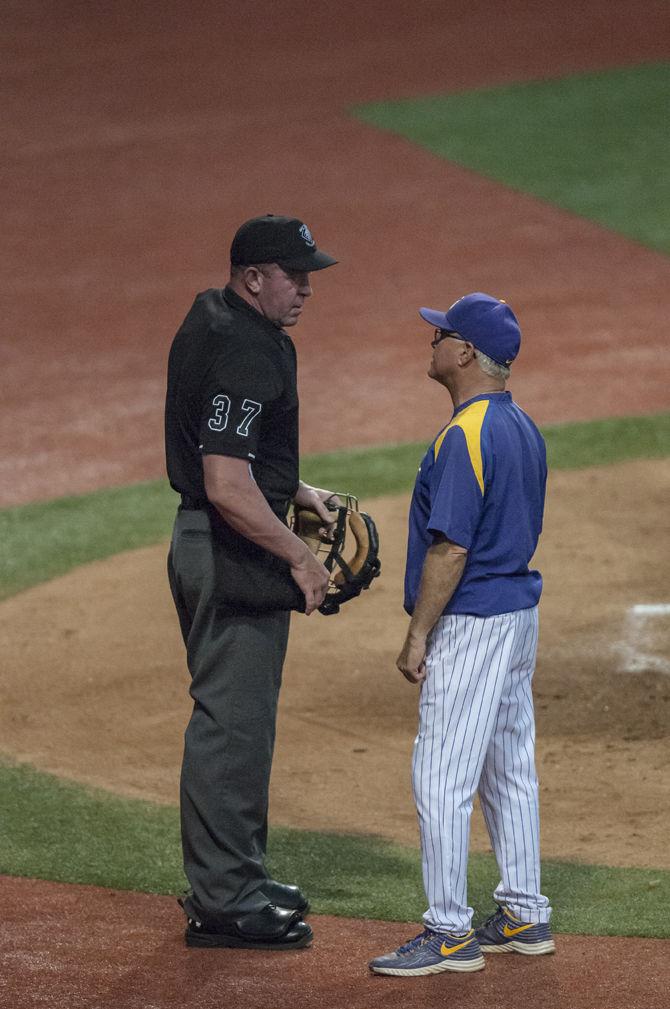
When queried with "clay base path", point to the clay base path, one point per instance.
{"points": [[83, 947]]}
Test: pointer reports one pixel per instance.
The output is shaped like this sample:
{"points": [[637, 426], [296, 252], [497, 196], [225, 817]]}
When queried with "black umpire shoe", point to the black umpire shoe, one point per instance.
{"points": [[272, 928], [285, 895]]}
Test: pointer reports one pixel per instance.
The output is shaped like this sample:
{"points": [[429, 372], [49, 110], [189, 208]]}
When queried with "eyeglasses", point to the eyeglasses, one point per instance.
{"points": [[442, 334]]}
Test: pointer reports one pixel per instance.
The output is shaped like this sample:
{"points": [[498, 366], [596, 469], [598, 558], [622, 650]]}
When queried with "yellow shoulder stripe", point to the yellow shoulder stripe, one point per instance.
{"points": [[470, 422]]}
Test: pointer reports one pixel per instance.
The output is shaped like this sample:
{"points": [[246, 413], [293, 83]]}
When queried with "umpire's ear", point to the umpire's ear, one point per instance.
{"points": [[252, 279]]}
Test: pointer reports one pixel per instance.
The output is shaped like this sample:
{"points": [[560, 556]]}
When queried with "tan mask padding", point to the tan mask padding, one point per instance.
{"points": [[359, 529], [310, 523]]}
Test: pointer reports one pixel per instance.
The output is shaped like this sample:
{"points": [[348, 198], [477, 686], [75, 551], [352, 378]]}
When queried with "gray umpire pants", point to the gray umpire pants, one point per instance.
{"points": [[235, 661]]}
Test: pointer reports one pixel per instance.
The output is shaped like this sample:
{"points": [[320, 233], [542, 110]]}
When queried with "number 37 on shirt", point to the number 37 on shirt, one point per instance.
{"points": [[221, 414]]}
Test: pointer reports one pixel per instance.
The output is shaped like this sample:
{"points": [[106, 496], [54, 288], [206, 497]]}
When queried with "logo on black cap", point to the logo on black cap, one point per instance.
{"points": [[306, 235]]}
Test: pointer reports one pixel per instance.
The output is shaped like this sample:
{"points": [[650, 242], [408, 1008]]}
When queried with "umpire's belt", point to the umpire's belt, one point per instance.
{"points": [[193, 504]]}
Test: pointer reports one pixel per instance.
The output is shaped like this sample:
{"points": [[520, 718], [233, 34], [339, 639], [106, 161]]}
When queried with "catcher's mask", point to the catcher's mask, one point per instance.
{"points": [[348, 577]]}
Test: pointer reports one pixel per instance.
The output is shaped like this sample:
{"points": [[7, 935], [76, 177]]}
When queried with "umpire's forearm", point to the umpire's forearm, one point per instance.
{"points": [[442, 571], [235, 495]]}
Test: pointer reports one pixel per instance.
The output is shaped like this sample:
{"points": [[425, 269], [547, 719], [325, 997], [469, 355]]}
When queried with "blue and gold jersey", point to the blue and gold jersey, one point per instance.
{"points": [[482, 485]]}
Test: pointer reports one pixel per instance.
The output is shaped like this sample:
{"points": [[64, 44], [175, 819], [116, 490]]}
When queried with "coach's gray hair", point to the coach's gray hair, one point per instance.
{"points": [[492, 368]]}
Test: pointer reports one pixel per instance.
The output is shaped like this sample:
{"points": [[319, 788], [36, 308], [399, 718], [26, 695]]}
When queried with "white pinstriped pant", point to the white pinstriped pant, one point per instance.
{"points": [[477, 732]]}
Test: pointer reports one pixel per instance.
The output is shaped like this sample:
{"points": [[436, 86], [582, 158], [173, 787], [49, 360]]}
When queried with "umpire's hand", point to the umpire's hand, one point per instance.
{"points": [[318, 499], [311, 577]]}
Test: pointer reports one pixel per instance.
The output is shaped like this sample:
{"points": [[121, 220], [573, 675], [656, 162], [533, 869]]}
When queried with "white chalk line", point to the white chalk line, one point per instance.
{"points": [[636, 639]]}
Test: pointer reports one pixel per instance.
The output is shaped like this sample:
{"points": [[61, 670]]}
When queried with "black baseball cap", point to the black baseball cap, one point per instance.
{"points": [[282, 240]]}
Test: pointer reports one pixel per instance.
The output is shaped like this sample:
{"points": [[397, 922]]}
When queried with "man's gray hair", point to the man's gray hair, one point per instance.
{"points": [[492, 368]]}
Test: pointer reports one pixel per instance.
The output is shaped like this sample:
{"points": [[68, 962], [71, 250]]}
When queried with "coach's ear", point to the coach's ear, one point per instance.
{"points": [[466, 353]]}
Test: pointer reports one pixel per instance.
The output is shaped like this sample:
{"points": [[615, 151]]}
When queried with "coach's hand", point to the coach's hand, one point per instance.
{"points": [[412, 660]]}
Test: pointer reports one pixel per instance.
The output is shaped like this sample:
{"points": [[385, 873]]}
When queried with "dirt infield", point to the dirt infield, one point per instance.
{"points": [[89, 948], [135, 145], [90, 710]]}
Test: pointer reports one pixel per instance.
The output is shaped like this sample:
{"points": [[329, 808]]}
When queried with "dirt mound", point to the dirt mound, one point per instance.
{"points": [[100, 693]]}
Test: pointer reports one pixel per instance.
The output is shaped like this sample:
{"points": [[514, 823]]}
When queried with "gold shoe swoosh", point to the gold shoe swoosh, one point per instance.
{"points": [[448, 950], [509, 932]]}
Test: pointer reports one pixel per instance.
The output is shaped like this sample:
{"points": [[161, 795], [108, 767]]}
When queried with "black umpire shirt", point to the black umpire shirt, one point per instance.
{"points": [[232, 391]]}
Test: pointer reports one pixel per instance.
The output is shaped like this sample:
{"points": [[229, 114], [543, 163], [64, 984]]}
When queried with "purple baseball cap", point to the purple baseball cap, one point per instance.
{"points": [[488, 324]]}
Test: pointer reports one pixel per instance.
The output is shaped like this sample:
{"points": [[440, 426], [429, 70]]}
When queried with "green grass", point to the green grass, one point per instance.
{"points": [[43, 540], [56, 829], [59, 830], [596, 144], [605, 442], [48, 538]]}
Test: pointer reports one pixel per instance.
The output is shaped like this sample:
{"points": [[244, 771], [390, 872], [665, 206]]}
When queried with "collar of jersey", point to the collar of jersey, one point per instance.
{"points": [[504, 394], [240, 305]]}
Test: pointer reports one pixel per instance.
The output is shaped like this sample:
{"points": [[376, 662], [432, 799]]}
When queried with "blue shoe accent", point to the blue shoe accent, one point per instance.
{"points": [[429, 953], [504, 933]]}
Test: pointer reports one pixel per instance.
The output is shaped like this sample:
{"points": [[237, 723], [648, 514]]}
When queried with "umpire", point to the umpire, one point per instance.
{"points": [[236, 571]]}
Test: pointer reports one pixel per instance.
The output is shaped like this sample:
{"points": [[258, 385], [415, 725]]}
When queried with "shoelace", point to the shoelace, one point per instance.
{"points": [[416, 942]]}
